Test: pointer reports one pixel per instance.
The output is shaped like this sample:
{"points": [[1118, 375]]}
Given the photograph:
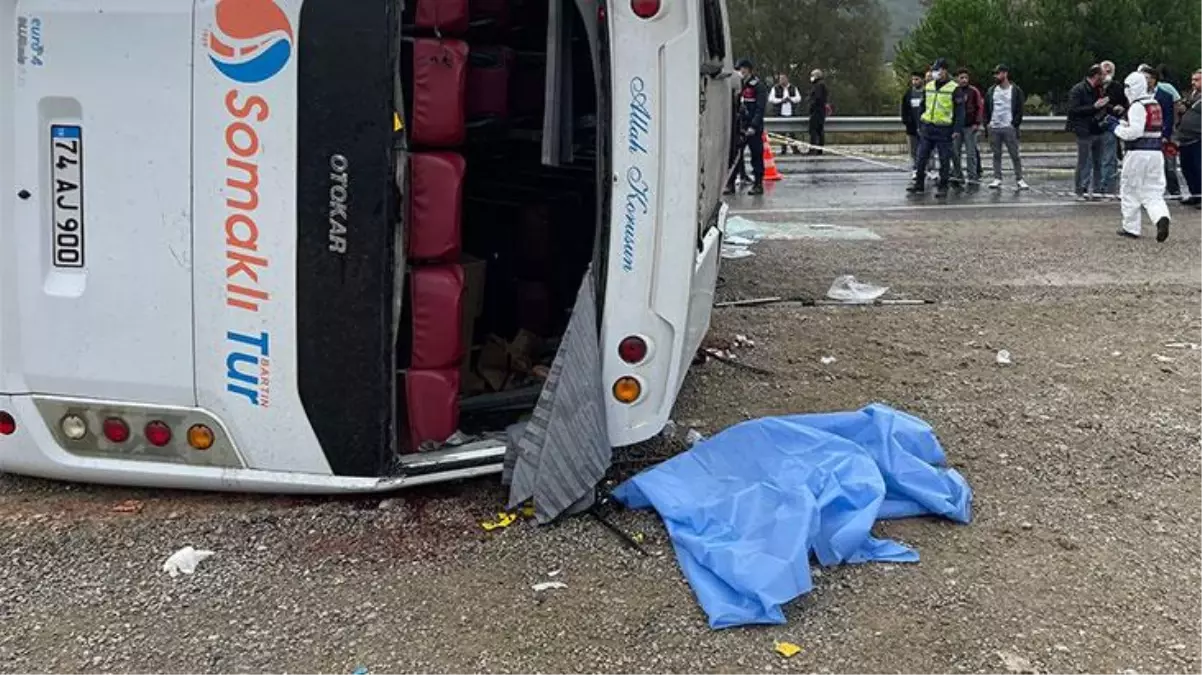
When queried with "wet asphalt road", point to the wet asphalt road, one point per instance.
{"points": [[845, 190]]}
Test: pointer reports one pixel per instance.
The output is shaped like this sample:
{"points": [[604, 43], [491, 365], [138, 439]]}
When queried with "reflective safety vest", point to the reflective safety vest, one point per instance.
{"points": [[940, 104], [1153, 125]]}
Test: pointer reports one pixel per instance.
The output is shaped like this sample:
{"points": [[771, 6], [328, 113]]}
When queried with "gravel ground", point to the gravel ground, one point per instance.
{"points": [[1084, 457]]}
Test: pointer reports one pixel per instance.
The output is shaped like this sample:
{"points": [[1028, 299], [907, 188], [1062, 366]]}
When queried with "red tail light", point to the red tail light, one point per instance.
{"points": [[644, 9], [633, 349], [116, 430], [8, 425], [158, 434]]}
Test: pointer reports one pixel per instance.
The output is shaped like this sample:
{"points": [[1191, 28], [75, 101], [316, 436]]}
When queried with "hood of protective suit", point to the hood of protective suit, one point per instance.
{"points": [[1136, 86]]}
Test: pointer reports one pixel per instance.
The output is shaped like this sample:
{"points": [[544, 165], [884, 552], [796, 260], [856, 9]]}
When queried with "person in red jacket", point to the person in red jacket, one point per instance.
{"points": [[965, 148]]}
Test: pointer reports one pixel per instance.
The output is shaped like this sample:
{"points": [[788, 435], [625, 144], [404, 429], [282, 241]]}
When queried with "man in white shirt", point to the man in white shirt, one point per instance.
{"points": [[785, 98], [1004, 115]]}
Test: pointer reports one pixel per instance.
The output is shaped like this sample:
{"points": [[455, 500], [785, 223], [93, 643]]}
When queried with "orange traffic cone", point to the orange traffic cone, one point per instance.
{"points": [[770, 172]]}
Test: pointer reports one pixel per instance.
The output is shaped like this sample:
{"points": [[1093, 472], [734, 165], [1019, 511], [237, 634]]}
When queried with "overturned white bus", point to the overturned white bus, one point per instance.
{"points": [[294, 246]]}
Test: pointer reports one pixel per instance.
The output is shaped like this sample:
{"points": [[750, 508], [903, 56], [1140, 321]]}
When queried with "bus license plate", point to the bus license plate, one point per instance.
{"points": [[66, 172]]}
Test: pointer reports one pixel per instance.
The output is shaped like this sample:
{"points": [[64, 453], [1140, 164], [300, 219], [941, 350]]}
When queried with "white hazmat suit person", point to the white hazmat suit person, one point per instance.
{"points": [[1143, 179]]}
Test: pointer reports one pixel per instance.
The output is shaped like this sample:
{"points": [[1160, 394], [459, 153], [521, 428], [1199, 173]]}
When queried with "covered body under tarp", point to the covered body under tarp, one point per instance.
{"points": [[747, 508]]}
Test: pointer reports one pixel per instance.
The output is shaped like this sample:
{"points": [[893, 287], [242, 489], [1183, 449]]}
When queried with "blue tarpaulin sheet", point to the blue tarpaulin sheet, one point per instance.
{"points": [[746, 508]]}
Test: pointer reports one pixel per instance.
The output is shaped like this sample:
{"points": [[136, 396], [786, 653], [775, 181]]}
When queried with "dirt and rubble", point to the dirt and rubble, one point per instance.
{"points": [[1083, 454]]}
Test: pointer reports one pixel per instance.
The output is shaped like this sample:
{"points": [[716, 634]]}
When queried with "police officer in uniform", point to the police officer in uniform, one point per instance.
{"points": [[942, 118], [749, 126]]}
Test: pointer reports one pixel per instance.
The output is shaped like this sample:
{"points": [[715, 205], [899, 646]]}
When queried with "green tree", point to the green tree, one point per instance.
{"points": [[974, 34], [1049, 44], [845, 39]]}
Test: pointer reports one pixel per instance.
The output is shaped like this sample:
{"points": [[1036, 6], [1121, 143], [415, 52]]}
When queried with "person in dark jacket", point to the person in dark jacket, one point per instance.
{"points": [[1113, 90], [1188, 135], [965, 145], [1004, 104], [1087, 107], [911, 114], [1164, 96], [753, 103], [819, 106]]}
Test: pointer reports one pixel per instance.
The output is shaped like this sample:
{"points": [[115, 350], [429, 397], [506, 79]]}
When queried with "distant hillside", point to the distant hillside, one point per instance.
{"points": [[904, 15]]}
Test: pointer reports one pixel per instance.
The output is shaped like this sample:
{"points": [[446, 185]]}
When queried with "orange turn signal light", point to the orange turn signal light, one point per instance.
{"points": [[200, 437], [627, 389]]}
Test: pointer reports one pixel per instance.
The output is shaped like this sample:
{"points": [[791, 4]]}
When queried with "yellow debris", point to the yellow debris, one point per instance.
{"points": [[397, 125], [638, 537], [528, 510], [502, 520], [787, 649]]}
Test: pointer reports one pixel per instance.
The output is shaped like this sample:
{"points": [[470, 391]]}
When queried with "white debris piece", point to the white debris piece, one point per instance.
{"points": [[184, 561], [846, 289], [1003, 357], [693, 437], [828, 360], [548, 585], [1192, 346], [1163, 359]]}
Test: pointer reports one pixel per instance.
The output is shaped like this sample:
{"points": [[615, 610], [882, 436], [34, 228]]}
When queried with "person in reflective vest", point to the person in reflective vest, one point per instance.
{"points": [[942, 118], [1143, 179]]}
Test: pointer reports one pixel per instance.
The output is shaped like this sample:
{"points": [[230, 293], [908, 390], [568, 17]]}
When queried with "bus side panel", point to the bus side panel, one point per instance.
{"points": [[95, 266], [653, 229], [347, 219], [245, 232], [11, 379]]}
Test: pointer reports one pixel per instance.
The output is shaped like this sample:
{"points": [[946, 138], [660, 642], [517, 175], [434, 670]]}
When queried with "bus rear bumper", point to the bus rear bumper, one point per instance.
{"points": [[33, 450]]}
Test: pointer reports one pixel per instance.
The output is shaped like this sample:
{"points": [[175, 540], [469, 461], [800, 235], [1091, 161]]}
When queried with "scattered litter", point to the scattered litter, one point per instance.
{"points": [[1015, 663], [1163, 359], [828, 360], [735, 252], [729, 358], [128, 506], [693, 437], [670, 429], [1192, 346], [528, 509], [184, 561], [390, 504], [846, 289], [361, 670], [716, 499], [1003, 357], [1116, 353], [554, 573], [548, 585], [786, 649], [502, 520], [744, 341], [638, 537], [458, 438]]}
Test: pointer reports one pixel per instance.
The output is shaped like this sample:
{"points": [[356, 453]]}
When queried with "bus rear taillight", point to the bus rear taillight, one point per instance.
{"points": [[645, 9], [157, 434], [633, 349], [8, 425], [116, 430]]}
